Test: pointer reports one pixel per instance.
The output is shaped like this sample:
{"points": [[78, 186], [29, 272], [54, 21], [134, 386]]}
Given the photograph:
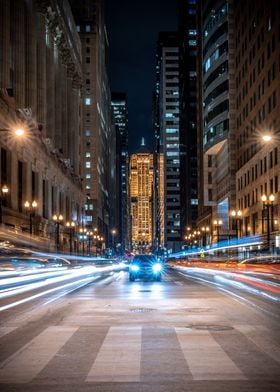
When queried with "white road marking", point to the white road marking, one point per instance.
{"points": [[205, 357], [26, 363], [119, 357]]}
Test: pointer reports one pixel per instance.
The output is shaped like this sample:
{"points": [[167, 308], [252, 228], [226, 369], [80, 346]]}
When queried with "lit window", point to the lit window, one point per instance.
{"points": [[87, 28], [171, 130], [194, 202], [87, 186], [78, 29], [88, 175], [169, 115], [192, 42], [88, 165], [87, 133], [87, 154], [88, 218], [87, 101]]}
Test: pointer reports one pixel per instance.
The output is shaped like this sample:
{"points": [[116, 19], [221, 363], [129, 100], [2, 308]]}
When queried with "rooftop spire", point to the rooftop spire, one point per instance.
{"points": [[142, 142]]}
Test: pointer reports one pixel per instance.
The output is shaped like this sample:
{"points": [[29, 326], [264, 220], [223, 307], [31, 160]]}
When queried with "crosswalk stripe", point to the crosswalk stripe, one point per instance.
{"points": [[260, 337], [205, 357], [119, 357], [26, 363], [5, 330]]}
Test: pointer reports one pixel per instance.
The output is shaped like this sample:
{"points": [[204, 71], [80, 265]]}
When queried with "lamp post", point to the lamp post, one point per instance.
{"points": [[205, 231], [114, 232], [71, 225], [57, 219], [31, 207], [267, 205], [4, 192], [83, 231], [218, 223], [236, 217], [90, 235]]}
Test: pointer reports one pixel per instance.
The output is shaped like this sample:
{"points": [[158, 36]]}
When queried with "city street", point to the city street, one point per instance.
{"points": [[189, 332]]}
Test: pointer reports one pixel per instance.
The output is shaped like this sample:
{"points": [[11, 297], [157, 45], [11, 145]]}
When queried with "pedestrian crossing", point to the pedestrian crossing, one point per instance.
{"points": [[129, 353]]}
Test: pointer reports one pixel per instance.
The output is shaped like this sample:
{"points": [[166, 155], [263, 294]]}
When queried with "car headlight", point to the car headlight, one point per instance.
{"points": [[157, 267], [134, 268]]}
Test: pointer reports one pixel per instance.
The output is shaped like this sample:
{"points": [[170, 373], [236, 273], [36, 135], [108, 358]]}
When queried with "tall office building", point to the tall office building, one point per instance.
{"points": [[40, 79], [141, 187], [97, 146], [257, 101], [188, 113], [168, 135], [119, 105], [216, 113]]}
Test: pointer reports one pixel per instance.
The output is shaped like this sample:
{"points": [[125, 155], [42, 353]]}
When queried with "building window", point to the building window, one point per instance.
{"points": [[87, 132], [88, 29], [87, 186], [87, 154], [88, 60], [87, 101], [78, 28], [88, 175], [88, 165]]}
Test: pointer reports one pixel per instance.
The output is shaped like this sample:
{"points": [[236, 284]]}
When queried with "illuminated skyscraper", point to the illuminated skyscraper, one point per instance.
{"points": [[141, 183]]}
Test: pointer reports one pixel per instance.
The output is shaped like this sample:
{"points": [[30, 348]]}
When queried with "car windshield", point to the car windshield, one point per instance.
{"points": [[144, 259]]}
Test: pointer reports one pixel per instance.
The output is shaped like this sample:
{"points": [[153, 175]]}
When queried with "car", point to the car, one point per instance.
{"points": [[145, 267]]}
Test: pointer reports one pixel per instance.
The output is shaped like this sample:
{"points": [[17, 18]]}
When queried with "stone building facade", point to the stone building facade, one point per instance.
{"points": [[40, 79]]}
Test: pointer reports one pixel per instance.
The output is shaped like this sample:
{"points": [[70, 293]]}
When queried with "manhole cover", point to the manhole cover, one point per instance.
{"points": [[142, 310], [209, 327], [144, 291]]}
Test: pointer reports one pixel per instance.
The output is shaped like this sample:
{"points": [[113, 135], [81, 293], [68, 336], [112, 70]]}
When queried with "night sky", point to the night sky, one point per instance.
{"points": [[133, 28]]}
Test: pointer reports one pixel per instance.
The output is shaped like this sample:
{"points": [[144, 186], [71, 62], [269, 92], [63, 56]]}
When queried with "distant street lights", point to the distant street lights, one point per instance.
{"points": [[71, 226], [58, 220], [3, 194], [236, 218], [31, 207], [267, 205], [217, 224]]}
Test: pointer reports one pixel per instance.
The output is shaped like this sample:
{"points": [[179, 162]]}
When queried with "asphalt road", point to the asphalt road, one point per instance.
{"points": [[112, 335]]}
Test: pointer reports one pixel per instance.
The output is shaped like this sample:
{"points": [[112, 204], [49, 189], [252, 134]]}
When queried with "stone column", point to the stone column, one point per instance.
{"points": [[50, 120], [41, 69], [58, 101], [18, 38], [31, 61], [5, 43]]}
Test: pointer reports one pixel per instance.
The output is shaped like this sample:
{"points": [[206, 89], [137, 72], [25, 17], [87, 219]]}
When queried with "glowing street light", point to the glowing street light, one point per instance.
{"points": [[31, 207]]}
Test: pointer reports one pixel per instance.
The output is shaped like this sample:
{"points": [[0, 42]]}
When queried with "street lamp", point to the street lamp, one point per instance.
{"points": [[205, 231], [218, 223], [31, 207], [4, 192], [71, 226], [114, 232], [267, 205], [236, 217], [82, 237], [57, 219], [89, 234]]}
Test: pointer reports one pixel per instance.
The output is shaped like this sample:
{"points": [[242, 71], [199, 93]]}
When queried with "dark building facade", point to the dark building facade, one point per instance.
{"points": [[166, 125], [257, 101], [188, 113], [97, 133], [120, 116], [216, 114]]}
